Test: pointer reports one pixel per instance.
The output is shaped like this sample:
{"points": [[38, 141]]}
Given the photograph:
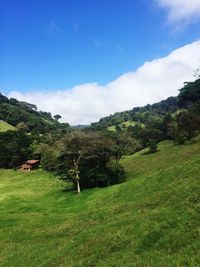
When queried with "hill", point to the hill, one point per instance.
{"points": [[150, 220], [4, 126], [25, 116], [144, 115], [188, 97], [176, 118]]}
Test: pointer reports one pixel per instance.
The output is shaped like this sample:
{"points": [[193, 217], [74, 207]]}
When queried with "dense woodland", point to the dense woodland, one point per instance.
{"points": [[90, 157]]}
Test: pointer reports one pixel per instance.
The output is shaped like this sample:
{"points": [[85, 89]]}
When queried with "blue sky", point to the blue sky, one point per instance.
{"points": [[51, 45]]}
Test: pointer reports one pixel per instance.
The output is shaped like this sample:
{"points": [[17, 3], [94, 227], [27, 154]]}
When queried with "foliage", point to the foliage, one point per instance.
{"points": [[84, 158], [138, 114], [134, 129], [48, 156], [149, 135], [116, 173], [17, 113], [182, 127], [189, 124], [176, 118], [15, 148], [153, 147], [190, 93], [57, 117], [22, 126]]}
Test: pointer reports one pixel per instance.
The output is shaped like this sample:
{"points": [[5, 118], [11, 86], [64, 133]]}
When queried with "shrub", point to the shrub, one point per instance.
{"points": [[153, 147]]}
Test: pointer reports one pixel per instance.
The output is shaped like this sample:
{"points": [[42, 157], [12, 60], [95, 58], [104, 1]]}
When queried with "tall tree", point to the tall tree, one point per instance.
{"points": [[189, 94], [189, 123], [85, 158], [74, 147]]}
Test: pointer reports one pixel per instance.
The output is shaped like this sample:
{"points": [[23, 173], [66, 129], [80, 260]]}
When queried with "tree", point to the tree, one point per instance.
{"points": [[153, 147], [74, 147], [3, 99], [28, 106], [22, 126], [85, 159], [49, 157], [118, 128], [15, 148], [188, 123], [174, 133], [127, 145], [57, 117], [147, 135], [189, 94], [117, 153], [165, 125]]}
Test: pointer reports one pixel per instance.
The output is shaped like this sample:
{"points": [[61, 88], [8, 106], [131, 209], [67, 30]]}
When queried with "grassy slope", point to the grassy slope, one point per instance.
{"points": [[151, 220], [125, 124], [4, 126]]}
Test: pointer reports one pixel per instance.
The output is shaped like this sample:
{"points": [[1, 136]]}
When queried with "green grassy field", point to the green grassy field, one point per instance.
{"points": [[4, 126], [150, 220], [125, 124]]}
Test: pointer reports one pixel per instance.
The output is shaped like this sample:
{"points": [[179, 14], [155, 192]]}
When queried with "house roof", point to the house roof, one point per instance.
{"points": [[32, 161]]}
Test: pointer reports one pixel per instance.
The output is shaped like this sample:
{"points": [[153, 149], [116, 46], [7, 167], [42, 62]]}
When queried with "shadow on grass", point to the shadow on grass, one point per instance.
{"points": [[68, 189], [149, 153]]}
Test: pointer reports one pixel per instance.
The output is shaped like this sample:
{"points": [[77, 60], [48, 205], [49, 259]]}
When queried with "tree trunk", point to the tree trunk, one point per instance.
{"points": [[78, 186], [77, 175]]}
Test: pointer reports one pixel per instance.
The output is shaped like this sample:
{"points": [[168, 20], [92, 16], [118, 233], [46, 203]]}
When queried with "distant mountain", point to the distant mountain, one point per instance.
{"points": [[80, 126]]}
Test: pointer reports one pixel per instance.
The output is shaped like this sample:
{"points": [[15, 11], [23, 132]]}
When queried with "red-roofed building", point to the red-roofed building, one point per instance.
{"points": [[30, 165]]}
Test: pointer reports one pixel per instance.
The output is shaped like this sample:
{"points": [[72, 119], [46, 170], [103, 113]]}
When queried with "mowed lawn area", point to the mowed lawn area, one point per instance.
{"points": [[150, 220]]}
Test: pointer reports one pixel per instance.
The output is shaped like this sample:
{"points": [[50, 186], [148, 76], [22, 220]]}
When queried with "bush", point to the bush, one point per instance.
{"points": [[180, 138], [116, 173], [153, 147], [94, 176]]}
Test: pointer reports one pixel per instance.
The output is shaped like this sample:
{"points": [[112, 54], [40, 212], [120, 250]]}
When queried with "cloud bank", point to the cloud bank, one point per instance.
{"points": [[181, 11], [153, 81]]}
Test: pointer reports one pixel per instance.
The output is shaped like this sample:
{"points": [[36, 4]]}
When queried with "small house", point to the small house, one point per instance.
{"points": [[30, 165]]}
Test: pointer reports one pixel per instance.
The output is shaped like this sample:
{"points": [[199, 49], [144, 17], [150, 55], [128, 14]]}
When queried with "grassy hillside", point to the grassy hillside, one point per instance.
{"points": [[125, 124], [150, 220], [139, 114], [4, 126]]}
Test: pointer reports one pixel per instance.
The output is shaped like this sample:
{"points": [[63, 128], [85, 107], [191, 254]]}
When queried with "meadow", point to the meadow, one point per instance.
{"points": [[152, 219], [4, 126]]}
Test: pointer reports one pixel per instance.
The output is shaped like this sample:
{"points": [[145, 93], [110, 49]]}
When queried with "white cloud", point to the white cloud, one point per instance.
{"points": [[154, 81], [181, 11]]}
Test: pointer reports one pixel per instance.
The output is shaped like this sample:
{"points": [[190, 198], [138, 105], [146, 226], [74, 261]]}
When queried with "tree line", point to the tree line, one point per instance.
{"points": [[91, 157]]}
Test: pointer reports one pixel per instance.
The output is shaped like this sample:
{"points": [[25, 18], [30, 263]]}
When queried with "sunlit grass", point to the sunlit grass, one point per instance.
{"points": [[4, 126], [125, 124], [150, 220]]}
